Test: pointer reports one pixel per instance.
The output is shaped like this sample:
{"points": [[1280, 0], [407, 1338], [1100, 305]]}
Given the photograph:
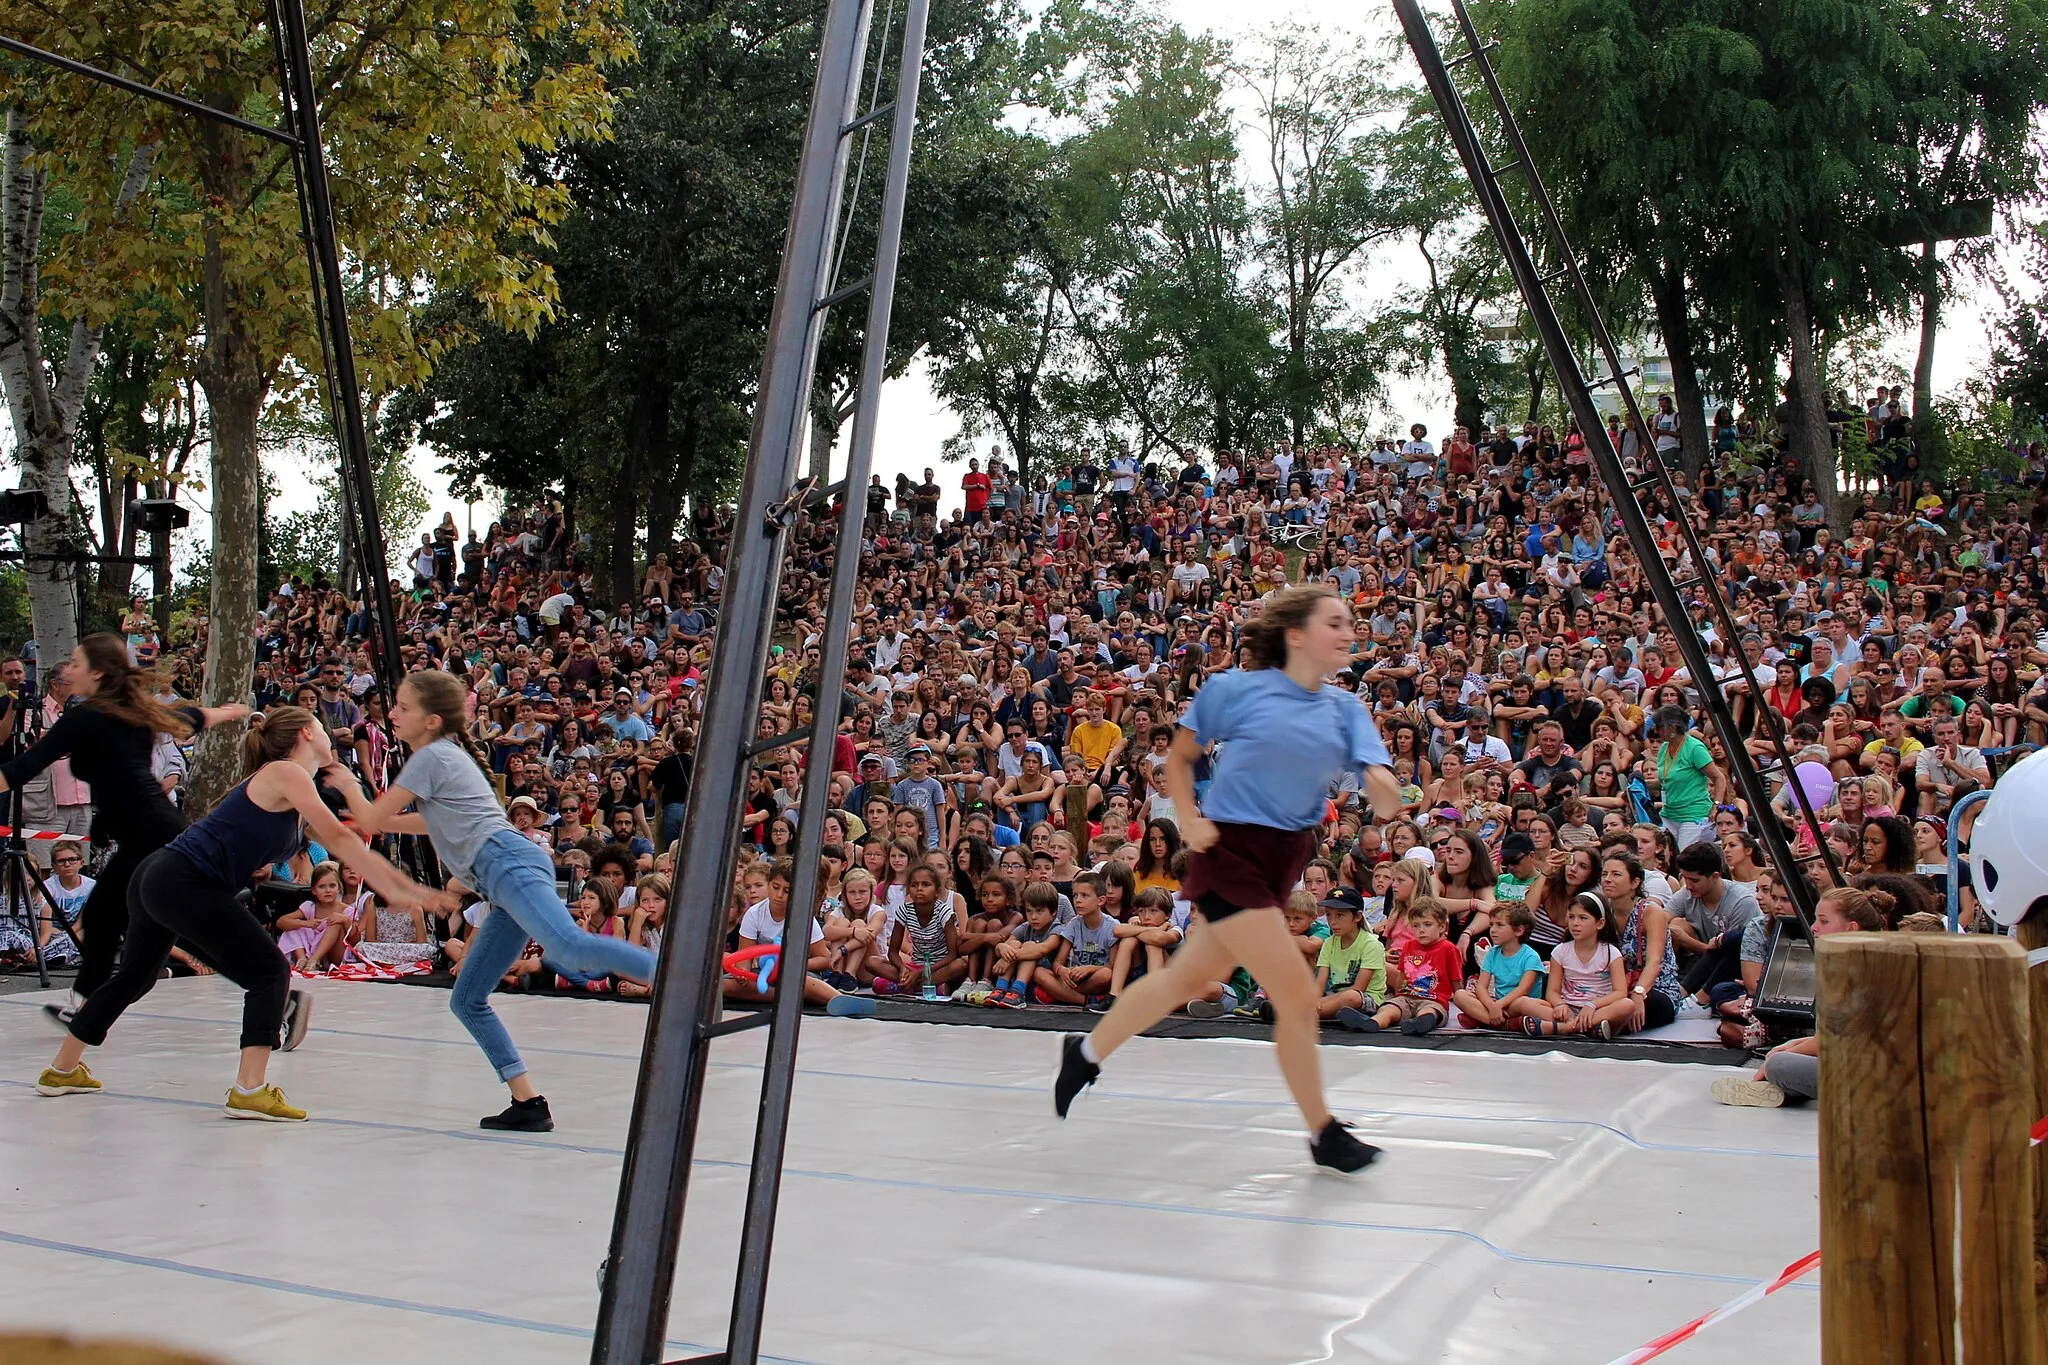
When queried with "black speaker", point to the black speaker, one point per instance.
{"points": [[154, 516], [1784, 997]]}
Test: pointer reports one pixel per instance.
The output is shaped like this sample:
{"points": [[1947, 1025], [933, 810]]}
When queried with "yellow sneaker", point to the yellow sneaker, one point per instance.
{"points": [[76, 1081], [267, 1105]]}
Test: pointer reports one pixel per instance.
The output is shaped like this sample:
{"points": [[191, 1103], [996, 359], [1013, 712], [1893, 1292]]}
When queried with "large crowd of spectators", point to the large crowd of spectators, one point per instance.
{"points": [[1000, 832]]}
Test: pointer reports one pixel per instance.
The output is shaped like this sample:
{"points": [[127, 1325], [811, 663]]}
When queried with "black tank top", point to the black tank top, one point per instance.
{"points": [[238, 839]]}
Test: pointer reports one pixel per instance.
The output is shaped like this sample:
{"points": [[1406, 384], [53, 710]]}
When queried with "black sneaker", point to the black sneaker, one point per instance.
{"points": [[298, 1017], [1101, 1004], [1077, 1073], [1336, 1149], [60, 1016], [522, 1116]]}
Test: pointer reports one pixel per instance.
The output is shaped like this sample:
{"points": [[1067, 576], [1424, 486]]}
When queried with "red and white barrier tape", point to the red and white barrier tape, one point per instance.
{"points": [[6, 830], [1756, 1293]]}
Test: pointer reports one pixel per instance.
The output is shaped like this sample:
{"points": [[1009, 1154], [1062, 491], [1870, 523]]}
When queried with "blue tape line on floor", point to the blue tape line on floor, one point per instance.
{"points": [[1641, 1144], [314, 1291], [1033, 1196]]}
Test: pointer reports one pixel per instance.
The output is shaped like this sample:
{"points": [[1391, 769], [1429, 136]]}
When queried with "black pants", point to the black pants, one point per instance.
{"points": [[1715, 965], [103, 919], [169, 899]]}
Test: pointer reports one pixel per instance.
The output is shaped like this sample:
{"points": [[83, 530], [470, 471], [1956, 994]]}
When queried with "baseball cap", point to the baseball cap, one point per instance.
{"points": [[1516, 847], [871, 758], [916, 749], [1343, 898]]}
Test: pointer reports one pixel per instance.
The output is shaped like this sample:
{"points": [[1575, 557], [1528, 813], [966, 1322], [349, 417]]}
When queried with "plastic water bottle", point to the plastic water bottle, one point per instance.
{"points": [[931, 989]]}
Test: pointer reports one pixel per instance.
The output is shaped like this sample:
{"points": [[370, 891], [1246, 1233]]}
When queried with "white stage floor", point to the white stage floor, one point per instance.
{"points": [[1527, 1210]]}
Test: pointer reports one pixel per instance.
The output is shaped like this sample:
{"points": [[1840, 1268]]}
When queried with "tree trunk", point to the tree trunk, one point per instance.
{"points": [[1535, 365], [1675, 322], [1923, 364], [646, 450], [824, 435], [236, 377], [1807, 428], [665, 502], [45, 407]]}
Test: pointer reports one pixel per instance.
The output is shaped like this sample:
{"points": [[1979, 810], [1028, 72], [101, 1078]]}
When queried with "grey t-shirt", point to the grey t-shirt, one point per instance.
{"points": [[1737, 908], [456, 800]]}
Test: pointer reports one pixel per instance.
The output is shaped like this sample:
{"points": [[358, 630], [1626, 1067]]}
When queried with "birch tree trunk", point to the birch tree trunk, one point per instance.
{"points": [[45, 407]]}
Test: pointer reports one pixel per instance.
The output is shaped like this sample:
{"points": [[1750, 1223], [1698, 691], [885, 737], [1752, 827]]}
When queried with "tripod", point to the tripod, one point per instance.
{"points": [[21, 886]]}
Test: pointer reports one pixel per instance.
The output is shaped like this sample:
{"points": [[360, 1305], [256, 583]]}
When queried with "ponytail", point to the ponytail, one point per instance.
{"points": [[272, 736], [443, 696]]}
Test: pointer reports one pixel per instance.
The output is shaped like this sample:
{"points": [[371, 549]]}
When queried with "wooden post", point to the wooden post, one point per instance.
{"points": [[1926, 1184], [2031, 933]]}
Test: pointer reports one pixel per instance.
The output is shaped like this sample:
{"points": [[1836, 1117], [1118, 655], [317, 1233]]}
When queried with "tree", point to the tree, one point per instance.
{"points": [[439, 116], [1321, 110], [1969, 109], [45, 393]]}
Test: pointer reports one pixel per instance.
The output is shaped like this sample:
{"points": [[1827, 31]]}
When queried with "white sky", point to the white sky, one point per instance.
{"points": [[914, 424]]}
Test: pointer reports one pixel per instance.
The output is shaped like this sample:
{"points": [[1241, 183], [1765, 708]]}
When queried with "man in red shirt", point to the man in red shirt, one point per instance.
{"points": [[976, 486]]}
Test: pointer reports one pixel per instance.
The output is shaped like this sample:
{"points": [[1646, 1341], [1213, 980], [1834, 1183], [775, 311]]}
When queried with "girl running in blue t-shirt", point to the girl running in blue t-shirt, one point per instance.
{"points": [[1287, 740]]}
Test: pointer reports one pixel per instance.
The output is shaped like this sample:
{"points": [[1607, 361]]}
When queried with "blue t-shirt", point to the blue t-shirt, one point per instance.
{"points": [[1507, 969], [1284, 749]]}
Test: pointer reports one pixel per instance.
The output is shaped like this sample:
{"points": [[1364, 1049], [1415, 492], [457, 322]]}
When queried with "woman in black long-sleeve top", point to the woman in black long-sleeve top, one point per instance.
{"points": [[108, 737]]}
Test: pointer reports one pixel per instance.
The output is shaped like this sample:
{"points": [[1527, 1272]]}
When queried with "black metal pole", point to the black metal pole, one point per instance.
{"points": [[182, 103], [647, 1224], [1557, 347], [778, 1076], [358, 481]]}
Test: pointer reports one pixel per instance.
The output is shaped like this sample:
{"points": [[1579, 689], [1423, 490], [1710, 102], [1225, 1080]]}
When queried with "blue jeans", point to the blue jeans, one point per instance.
{"points": [[518, 880], [671, 825]]}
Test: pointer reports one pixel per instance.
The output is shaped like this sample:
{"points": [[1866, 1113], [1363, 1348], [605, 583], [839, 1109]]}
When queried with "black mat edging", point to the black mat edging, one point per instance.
{"points": [[1071, 1019]]}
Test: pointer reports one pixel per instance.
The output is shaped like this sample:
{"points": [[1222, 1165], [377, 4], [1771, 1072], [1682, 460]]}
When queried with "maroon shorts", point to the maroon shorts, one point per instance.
{"points": [[1249, 867]]}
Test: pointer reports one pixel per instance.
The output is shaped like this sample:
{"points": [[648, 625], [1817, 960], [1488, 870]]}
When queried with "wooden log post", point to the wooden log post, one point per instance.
{"points": [[2031, 933], [1926, 1182]]}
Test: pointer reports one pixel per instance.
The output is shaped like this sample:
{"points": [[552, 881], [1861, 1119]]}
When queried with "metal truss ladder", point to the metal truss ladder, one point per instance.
{"points": [[684, 1021], [1624, 489]]}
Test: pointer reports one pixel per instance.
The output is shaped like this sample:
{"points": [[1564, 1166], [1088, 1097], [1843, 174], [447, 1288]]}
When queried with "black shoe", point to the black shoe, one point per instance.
{"points": [[522, 1116], [1101, 1004], [60, 1016], [1358, 1021], [1077, 1073], [1336, 1149], [1420, 1024], [298, 1017]]}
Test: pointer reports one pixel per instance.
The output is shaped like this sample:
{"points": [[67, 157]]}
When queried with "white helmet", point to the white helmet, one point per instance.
{"points": [[2009, 843]]}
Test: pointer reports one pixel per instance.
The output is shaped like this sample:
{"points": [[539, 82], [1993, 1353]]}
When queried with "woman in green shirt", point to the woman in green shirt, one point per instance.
{"points": [[1681, 764]]}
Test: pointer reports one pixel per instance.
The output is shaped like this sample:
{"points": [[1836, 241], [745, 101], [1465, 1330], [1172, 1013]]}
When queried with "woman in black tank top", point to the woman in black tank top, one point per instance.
{"points": [[187, 890]]}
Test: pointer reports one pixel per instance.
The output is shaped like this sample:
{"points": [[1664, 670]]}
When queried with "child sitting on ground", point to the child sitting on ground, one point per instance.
{"points": [[1510, 983], [1308, 931], [985, 933], [1589, 982], [924, 939], [1143, 943], [1351, 970], [764, 923], [857, 928], [650, 917], [314, 936], [1032, 944], [1428, 970], [1082, 969]]}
